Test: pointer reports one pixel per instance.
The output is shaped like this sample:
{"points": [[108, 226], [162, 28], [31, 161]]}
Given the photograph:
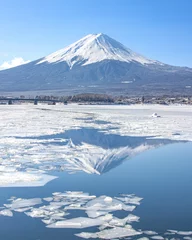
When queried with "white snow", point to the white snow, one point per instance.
{"points": [[23, 179], [95, 48], [132, 120]]}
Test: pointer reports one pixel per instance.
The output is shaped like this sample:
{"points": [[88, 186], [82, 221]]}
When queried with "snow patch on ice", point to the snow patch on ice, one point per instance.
{"points": [[24, 179]]}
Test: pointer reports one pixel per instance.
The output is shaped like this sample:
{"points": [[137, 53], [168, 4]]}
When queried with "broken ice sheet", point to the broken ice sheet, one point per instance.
{"points": [[129, 199], [24, 179], [117, 232], [121, 222], [105, 203], [157, 237], [184, 232], [149, 232], [81, 222], [73, 194], [55, 214], [55, 210], [6, 212], [23, 203], [95, 214]]}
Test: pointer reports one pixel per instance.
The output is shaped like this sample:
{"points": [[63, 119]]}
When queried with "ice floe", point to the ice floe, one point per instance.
{"points": [[184, 232], [6, 212], [55, 212], [117, 232], [81, 222], [24, 179], [157, 237], [23, 203]]}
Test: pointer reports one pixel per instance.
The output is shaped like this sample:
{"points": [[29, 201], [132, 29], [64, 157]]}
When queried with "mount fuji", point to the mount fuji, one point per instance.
{"points": [[99, 64]]}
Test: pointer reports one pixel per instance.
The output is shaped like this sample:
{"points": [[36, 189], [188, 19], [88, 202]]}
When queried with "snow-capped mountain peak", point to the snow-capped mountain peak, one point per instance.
{"points": [[95, 48]]}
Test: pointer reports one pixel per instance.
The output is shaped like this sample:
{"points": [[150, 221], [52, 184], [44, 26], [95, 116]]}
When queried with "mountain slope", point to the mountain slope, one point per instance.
{"points": [[97, 63], [95, 48]]}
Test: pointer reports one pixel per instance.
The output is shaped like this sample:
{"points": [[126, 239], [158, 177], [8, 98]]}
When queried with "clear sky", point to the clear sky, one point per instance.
{"points": [[157, 29]]}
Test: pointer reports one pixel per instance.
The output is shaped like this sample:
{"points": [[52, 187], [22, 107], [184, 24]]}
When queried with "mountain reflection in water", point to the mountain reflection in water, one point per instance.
{"points": [[94, 151]]}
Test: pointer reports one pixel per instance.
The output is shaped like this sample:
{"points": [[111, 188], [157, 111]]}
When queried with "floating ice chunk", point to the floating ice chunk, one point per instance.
{"points": [[149, 232], [169, 233], [95, 214], [52, 207], [117, 232], [38, 213], [104, 226], [172, 231], [22, 209], [6, 212], [130, 199], [48, 199], [121, 222], [157, 237], [132, 218], [58, 215], [81, 222], [23, 203], [48, 221], [184, 232], [56, 193], [101, 204], [75, 195], [62, 203], [108, 199], [187, 238], [143, 238], [24, 179]]}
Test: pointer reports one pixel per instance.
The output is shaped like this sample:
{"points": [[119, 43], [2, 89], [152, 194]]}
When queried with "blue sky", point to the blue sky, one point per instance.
{"points": [[158, 29]]}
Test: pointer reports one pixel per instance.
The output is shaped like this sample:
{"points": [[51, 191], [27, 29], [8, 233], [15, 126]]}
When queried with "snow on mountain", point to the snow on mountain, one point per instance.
{"points": [[95, 48], [100, 61]]}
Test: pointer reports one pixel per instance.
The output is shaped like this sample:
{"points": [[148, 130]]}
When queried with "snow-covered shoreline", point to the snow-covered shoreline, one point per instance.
{"points": [[133, 120]]}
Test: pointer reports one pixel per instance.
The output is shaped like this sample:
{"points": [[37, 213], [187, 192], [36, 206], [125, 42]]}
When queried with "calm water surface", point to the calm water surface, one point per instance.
{"points": [[163, 177]]}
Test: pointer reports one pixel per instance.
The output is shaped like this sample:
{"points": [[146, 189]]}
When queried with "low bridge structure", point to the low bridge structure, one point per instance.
{"points": [[11, 100]]}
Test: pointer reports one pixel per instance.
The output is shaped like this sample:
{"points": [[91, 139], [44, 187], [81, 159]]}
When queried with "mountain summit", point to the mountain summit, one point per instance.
{"points": [[95, 48], [99, 64]]}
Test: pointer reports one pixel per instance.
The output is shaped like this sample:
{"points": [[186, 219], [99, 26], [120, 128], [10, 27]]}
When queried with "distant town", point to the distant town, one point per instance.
{"points": [[89, 98]]}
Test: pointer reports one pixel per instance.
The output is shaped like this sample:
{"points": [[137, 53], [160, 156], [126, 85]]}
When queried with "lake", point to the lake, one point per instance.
{"points": [[161, 176]]}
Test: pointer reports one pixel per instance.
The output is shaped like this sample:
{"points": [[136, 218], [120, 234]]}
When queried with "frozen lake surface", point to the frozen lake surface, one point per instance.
{"points": [[78, 172]]}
